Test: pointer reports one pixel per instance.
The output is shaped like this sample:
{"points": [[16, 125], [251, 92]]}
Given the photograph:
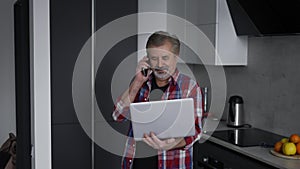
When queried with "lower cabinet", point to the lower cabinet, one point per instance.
{"points": [[209, 155]]}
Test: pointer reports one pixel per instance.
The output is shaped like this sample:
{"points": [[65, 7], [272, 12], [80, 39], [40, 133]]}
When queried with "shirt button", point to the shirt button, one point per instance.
{"points": [[130, 161], [145, 99], [133, 145]]}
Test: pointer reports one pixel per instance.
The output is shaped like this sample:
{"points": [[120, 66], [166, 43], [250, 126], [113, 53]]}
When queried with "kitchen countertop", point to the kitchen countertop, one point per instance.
{"points": [[256, 152]]}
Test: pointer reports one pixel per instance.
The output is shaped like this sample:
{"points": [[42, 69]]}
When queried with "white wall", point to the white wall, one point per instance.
{"points": [[7, 72]]}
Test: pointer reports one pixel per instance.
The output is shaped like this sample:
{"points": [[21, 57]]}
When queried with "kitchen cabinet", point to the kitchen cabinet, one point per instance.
{"points": [[149, 23], [105, 12], [71, 147], [239, 148], [201, 12], [209, 154], [70, 29], [212, 17]]}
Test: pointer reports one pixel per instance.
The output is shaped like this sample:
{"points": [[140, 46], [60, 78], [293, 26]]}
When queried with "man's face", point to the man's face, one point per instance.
{"points": [[162, 60]]}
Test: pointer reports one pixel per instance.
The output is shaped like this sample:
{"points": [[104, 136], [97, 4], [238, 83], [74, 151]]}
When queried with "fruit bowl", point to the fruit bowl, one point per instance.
{"points": [[294, 157], [288, 148]]}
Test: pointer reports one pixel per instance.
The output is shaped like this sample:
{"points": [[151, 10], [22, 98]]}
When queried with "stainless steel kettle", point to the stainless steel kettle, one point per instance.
{"points": [[236, 115]]}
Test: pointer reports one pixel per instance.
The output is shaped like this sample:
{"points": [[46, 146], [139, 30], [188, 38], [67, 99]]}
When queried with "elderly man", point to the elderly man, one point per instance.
{"points": [[161, 61]]}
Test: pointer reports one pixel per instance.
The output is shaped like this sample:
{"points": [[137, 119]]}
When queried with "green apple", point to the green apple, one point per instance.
{"points": [[284, 140]]}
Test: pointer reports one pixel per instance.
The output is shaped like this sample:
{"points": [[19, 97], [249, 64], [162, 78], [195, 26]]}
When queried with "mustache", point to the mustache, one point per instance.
{"points": [[156, 68]]}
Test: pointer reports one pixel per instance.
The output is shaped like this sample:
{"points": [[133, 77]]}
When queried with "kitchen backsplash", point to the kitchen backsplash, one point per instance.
{"points": [[269, 84]]}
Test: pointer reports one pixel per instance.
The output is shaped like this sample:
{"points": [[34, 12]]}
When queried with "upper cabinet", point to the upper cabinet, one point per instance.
{"points": [[232, 49], [200, 12], [205, 28], [150, 19]]}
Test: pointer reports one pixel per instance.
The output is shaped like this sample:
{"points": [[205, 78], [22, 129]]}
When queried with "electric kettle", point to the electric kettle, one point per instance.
{"points": [[236, 115]]}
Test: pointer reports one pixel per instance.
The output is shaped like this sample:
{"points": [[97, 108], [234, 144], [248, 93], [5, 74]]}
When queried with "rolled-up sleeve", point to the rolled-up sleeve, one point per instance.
{"points": [[121, 111], [196, 94]]}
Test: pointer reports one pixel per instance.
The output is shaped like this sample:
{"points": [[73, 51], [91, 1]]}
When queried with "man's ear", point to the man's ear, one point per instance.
{"points": [[148, 59]]}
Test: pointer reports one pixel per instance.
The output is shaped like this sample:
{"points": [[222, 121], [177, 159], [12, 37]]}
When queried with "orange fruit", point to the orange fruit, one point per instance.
{"points": [[278, 146], [295, 138], [298, 148], [289, 148]]}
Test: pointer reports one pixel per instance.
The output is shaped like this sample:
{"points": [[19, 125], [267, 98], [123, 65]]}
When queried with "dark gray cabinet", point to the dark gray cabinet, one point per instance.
{"points": [[71, 147], [70, 28], [70, 22], [105, 12], [209, 154]]}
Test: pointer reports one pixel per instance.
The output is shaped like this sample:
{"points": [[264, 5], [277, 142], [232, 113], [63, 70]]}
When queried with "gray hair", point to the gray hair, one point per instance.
{"points": [[160, 37]]}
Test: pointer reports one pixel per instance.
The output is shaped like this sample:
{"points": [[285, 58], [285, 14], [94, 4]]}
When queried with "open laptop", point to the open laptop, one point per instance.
{"points": [[166, 118]]}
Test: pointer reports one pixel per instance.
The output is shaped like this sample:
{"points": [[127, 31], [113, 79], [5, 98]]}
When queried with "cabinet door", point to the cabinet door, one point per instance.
{"points": [[107, 11], [198, 12], [208, 37], [71, 147], [201, 12], [70, 22], [71, 25], [212, 17], [228, 158], [177, 7]]}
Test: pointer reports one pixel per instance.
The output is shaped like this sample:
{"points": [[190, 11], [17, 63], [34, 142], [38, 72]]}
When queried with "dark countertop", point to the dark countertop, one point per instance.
{"points": [[256, 152]]}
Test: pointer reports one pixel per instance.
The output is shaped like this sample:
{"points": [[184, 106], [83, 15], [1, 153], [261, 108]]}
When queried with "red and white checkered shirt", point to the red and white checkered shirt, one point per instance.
{"points": [[180, 86]]}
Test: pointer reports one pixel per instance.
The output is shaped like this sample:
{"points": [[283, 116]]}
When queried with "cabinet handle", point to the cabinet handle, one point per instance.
{"points": [[210, 163], [205, 165], [204, 162]]}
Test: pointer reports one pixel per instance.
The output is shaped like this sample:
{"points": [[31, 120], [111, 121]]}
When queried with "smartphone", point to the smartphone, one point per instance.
{"points": [[145, 71]]}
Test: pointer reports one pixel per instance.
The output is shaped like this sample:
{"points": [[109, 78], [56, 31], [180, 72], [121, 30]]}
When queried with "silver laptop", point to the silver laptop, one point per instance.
{"points": [[166, 118]]}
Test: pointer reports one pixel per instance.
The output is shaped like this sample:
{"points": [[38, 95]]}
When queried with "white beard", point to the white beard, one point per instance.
{"points": [[162, 76]]}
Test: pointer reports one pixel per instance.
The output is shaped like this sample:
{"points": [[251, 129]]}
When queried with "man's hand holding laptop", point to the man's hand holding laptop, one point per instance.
{"points": [[165, 144]]}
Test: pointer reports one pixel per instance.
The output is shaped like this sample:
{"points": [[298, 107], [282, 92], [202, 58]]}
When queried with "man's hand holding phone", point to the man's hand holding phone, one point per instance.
{"points": [[143, 69], [143, 66]]}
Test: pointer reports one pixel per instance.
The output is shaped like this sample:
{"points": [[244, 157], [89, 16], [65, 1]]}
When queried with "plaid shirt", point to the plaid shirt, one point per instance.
{"points": [[180, 86]]}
